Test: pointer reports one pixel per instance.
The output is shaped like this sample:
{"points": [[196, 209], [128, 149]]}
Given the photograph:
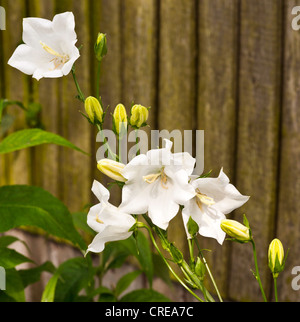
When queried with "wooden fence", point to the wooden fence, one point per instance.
{"points": [[228, 67]]}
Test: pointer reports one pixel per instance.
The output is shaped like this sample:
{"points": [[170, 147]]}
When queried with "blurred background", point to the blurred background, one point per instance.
{"points": [[228, 67]]}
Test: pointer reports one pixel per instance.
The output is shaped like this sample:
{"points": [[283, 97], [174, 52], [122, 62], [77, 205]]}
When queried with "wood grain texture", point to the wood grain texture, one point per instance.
{"points": [[177, 78], [288, 222], [258, 132], [217, 104], [75, 170]]}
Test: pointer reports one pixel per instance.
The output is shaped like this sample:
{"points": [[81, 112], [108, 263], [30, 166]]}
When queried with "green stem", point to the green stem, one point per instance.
{"points": [[257, 271], [80, 94], [209, 271], [111, 155], [141, 225], [98, 79], [196, 280], [138, 152], [275, 288], [191, 250]]}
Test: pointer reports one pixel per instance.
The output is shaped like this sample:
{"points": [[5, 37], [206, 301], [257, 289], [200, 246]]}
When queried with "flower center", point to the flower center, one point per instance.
{"points": [[151, 178], [59, 59], [202, 199]]}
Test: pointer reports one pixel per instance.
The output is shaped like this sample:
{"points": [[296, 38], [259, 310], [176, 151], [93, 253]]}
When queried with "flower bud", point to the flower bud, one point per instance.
{"points": [[101, 46], [139, 116], [120, 121], [94, 110], [276, 257], [112, 169], [236, 230]]}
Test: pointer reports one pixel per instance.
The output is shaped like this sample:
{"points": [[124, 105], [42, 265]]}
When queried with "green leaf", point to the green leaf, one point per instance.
{"points": [[145, 256], [125, 282], [33, 137], [33, 275], [160, 269], [9, 258], [49, 291], [14, 286], [144, 295], [69, 279], [7, 240], [33, 206]]}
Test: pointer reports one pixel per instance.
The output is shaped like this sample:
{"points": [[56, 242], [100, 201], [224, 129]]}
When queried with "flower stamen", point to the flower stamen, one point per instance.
{"points": [[99, 221], [151, 178], [59, 59], [202, 199]]}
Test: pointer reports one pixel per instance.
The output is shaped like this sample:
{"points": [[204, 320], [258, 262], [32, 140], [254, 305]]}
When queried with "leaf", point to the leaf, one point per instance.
{"points": [[69, 279], [144, 295], [125, 282], [7, 240], [9, 258], [145, 256], [49, 291], [33, 137], [161, 270], [33, 275], [33, 206], [14, 286]]}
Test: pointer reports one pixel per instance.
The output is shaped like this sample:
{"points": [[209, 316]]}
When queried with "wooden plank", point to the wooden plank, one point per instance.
{"points": [[106, 18], [139, 47], [16, 88], [177, 79], [75, 174], [46, 161], [289, 185], [258, 130], [217, 106]]}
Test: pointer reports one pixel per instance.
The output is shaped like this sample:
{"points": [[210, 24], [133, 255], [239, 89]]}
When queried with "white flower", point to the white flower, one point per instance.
{"points": [[214, 198], [49, 47], [158, 184], [108, 221]]}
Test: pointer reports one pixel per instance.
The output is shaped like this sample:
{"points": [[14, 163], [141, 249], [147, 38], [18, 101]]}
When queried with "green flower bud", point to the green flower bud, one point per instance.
{"points": [[139, 116], [101, 46], [276, 257], [236, 230], [94, 110], [120, 121]]}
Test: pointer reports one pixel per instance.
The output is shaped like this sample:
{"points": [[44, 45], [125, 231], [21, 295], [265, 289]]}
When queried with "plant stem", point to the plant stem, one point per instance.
{"points": [[257, 271], [80, 94], [98, 79], [166, 262], [275, 288], [209, 271], [196, 280], [111, 155], [191, 250]]}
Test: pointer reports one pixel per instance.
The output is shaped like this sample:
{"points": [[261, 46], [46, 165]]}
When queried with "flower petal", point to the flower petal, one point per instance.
{"points": [[225, 195], [26, 59], [64, 24], [208, 220], [100, 191]]}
